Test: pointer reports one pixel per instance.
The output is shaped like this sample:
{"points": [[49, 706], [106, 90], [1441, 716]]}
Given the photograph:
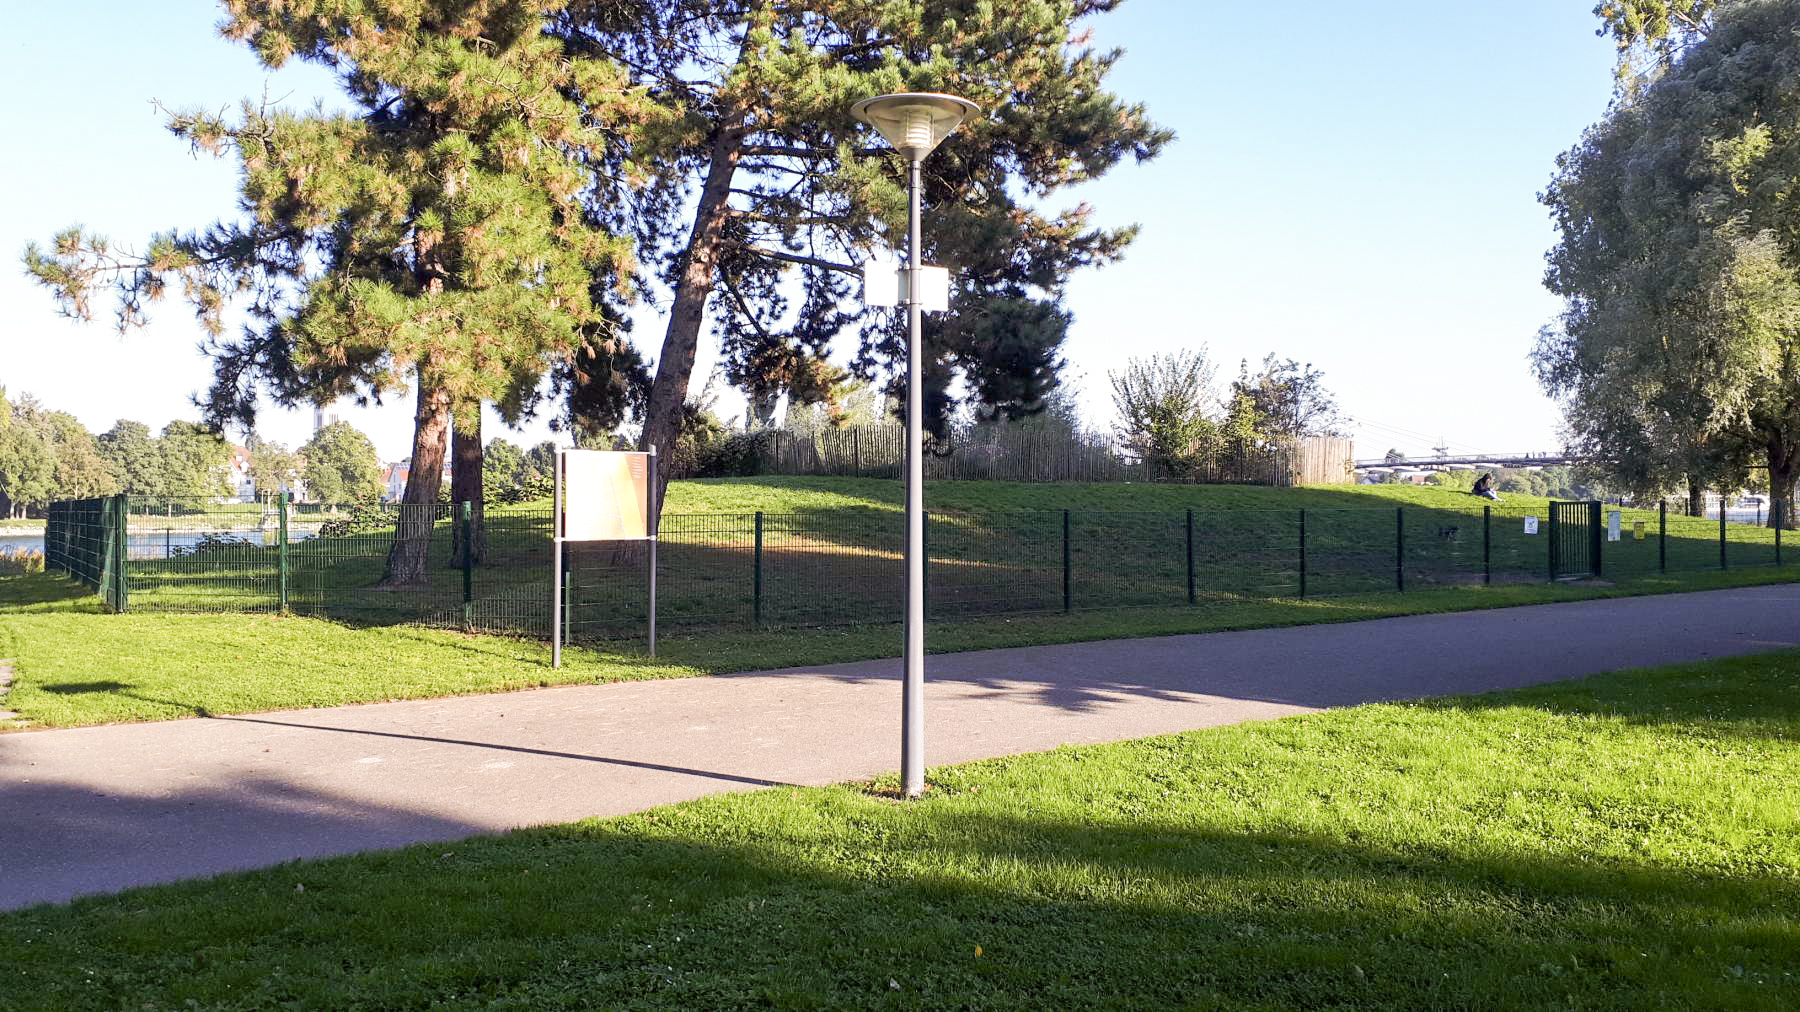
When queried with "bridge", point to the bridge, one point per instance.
{"points": [[1486, 461]]}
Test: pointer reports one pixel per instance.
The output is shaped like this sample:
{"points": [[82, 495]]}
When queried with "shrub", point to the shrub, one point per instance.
{"points": [[21, 563]]}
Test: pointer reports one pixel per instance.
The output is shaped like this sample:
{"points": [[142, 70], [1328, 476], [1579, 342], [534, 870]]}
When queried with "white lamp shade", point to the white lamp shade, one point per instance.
{"points": [[915, 123]]}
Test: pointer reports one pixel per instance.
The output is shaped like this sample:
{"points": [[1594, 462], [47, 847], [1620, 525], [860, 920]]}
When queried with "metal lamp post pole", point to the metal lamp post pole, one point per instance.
{"points": [[914, 123], [912, 695]]}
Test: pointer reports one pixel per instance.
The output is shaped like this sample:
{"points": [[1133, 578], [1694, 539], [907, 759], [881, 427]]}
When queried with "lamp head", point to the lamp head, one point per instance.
{"points": [[915, 122]]}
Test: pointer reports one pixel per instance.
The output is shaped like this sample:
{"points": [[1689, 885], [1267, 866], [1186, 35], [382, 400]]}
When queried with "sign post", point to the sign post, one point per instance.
{"points": [[602, 495]]}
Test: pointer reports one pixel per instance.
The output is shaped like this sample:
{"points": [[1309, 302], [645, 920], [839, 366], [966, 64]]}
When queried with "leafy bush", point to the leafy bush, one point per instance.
{"points": [[213, 541], [361, 519], [21, 563], [1456, 481]]}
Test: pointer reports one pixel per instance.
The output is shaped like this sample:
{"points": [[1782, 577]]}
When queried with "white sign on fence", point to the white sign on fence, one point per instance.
{"points": [[1612, 526], [1531, 525]]}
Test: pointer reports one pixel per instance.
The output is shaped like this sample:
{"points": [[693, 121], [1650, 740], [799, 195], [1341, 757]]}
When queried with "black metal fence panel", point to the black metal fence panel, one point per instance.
{"points": [[751, 570]]}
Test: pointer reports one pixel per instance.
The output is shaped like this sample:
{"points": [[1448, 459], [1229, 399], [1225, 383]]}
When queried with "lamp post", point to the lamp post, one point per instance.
{"points": [[914, 123]]}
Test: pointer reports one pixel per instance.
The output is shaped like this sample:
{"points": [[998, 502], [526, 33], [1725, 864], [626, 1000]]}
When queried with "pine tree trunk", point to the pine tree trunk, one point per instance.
{"points": [[418, 506], [1696, 504], [465, 486], [675, 366]]}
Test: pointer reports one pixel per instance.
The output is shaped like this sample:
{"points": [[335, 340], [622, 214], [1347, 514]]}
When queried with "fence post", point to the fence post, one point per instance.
{"points": [[1595, 542], [1400, 548], [1722, 532], [468, 563], [757, 580], [856, 451], [1303, 553], [1662, 535], [281, 552], [1068, 598], [1487, 555], [1554, 553], [122, 570], [925, 550], [1190, 556]]}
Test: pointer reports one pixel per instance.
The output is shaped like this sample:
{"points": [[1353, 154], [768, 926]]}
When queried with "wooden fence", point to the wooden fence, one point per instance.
{"points": [[1000, 454]]}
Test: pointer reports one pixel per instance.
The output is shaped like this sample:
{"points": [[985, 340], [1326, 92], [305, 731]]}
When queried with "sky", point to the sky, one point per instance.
{"points": [[1352, 186]]}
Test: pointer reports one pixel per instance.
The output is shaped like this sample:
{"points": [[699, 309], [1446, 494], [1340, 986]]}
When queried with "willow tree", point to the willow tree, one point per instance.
{"points": [[772, 196], [1678, 351], [437, 233]]}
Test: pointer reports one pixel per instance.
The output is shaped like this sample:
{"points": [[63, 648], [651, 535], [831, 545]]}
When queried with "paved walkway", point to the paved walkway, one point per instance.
{"points": [[104, 808]]}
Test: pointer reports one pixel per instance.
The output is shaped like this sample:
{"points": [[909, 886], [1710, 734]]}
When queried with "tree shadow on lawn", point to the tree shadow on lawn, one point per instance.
{"points": [[34, 591], [950, 906]]}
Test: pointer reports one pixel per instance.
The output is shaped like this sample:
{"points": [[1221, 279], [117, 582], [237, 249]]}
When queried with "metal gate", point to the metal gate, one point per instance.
{"points": [[1574, 540]]}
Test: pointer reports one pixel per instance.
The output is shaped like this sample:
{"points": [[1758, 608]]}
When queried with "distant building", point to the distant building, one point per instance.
{"points": [[393, 478], [243, 483]]}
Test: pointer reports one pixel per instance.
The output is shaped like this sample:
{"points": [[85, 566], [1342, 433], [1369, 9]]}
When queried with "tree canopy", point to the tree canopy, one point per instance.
{"points": [[1167, 406], [1677, 355], [340, 465], [438, 233], [769, 195]]}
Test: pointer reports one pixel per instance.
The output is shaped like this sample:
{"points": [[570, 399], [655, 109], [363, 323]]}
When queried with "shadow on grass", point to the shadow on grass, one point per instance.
{"points": [[33, 590], [949, 906]]}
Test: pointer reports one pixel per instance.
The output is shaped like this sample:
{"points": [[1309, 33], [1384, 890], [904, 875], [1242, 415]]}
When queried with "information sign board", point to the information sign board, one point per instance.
{"points": [[606, 495]]}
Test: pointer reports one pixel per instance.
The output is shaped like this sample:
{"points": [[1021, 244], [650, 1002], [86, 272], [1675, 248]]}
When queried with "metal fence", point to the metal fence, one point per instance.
{"points": [[845, 567], [85, 539]]}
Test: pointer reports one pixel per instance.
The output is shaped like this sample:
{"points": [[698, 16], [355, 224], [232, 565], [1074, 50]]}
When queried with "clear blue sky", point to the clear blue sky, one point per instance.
{"points": [[1353, 186]]}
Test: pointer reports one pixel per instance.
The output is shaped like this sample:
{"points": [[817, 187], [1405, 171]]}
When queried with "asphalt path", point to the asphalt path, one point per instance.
{"points": [[101, 809]]}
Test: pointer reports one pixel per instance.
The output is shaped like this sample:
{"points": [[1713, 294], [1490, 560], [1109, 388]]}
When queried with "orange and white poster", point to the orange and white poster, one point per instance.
{"points": [[605, 495]]}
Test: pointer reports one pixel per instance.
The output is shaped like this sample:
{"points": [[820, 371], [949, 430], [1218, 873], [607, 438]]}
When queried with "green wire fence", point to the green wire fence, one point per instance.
{"points": [[844, 567]]}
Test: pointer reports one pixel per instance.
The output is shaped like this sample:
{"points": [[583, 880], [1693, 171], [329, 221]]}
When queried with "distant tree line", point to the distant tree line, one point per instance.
{"points": [[48, 455]]}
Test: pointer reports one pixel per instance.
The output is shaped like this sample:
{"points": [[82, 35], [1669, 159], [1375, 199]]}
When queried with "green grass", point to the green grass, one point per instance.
{"points": [[1630, 841], [78, 665]]}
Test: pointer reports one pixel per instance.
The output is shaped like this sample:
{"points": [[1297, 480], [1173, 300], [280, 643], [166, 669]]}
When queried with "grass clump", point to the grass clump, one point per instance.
{"points": [[1628, 841]]}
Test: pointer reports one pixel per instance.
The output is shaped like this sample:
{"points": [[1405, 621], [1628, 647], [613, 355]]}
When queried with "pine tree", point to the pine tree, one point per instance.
{"points": [[439, 235], [771, 195]]}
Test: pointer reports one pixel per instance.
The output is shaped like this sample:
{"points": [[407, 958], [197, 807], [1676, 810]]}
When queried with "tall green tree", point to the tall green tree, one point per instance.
{"points": [[500, 463], [1652, 34], [1167, 406], [769, 195], [27, 462], [196, 463], [1284, 401], [80, 472], [129, 449], [1677, 356], [441, 234], [273, 466], [340, 465]]}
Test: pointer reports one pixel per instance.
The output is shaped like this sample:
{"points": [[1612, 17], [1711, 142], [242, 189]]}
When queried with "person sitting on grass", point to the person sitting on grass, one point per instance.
{"points": [[1484, 487]]}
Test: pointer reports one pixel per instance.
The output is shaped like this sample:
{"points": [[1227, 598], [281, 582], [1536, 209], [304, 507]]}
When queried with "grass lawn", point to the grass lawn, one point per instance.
{"points": [[1628, 841]]}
